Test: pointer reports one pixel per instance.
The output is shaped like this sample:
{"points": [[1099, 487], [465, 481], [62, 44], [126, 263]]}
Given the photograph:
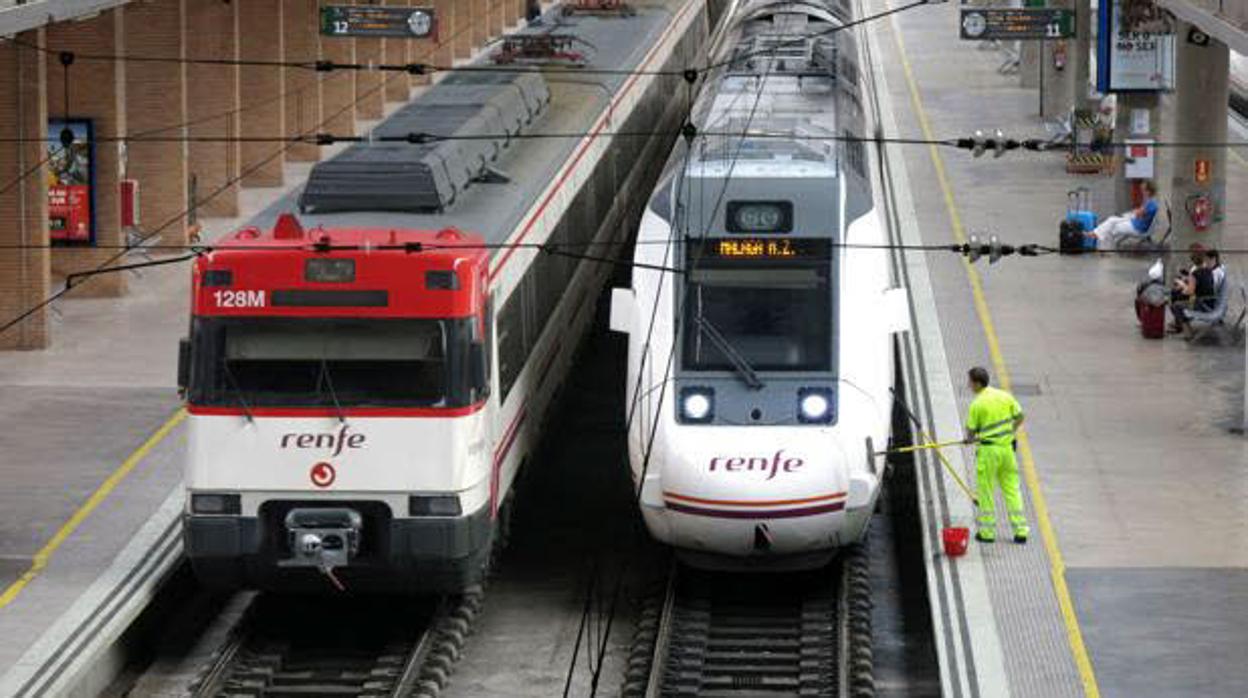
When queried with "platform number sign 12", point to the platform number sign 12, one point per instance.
{"points": [[378, 21]]}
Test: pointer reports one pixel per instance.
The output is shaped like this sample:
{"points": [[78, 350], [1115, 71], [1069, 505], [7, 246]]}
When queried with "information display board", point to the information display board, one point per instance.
{"points": [[1010, 23], [1137, 58], [379, 21], [71, 178]]}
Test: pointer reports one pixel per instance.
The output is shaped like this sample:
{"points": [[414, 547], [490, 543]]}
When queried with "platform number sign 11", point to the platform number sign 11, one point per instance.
{"points": [[1022, 23]]}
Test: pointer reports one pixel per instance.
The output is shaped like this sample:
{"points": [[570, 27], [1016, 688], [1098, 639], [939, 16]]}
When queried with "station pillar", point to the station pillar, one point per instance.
{"points": [[156, 109], [399, 51], [25, 261], [1197, 114], [480, 22], [302, 39], [96, 91], [338, 86], [1136, 109], [370, 98], [262, 92], [1058, 71], [1029, 64], [495, 14], [444, 51], [461, 38], [212, 95], [1080, 59], [513, 12]]}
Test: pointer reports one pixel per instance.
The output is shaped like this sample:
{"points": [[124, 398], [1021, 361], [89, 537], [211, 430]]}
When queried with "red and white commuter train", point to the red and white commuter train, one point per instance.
{"points": [[365, 379]]}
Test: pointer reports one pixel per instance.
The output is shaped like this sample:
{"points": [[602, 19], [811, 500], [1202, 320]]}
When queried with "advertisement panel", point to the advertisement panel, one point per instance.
{"points": [[71, 181], [1134, 53]]}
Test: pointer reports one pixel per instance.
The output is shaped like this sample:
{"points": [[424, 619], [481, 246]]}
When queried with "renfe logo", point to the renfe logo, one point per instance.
{"points": [[773, 464], [334, 442]]}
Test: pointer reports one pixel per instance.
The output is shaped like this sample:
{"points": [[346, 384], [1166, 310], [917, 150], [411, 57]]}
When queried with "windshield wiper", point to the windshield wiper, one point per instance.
{"points": [[238, 391], [329, 381], [743, 367]]}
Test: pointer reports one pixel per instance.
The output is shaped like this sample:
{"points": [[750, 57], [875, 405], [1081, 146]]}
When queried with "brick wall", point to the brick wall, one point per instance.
{"points": [[303, 87], [156, 101], [261, 92], [212, 105], [24, 274]]}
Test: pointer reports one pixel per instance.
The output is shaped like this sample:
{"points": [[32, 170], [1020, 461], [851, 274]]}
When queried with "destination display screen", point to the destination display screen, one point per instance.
{"points": [[747, 248]]}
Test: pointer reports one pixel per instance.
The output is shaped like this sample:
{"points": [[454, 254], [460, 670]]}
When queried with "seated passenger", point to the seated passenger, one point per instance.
{"points": [[1197, 289], [1133, 223]]}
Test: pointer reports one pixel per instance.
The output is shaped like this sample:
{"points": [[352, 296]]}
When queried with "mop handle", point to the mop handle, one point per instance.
{"points": [[927, 444], [931, 443]]}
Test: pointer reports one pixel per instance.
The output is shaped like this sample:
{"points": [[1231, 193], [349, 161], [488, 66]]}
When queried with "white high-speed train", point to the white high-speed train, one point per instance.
{"points": [[761, 316]]}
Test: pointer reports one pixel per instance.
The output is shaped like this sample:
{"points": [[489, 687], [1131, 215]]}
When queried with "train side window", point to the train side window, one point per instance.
{"points": [[511, 350]]}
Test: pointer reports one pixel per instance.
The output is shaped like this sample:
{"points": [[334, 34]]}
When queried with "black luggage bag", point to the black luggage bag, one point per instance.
{"points": [[1070, 237]]}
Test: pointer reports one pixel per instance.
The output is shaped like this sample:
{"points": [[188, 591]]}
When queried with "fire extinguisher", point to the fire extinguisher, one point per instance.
{"points": [[1200, 211], [1059, 55]]}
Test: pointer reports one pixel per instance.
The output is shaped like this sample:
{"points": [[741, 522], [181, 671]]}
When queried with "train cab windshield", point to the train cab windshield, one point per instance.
{"points": [[768, 301], [329, 362]]}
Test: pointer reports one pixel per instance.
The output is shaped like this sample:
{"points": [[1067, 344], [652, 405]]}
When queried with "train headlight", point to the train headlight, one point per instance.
{"points": [[814, 405], [697, 405], [433, 505], [218, 504]]}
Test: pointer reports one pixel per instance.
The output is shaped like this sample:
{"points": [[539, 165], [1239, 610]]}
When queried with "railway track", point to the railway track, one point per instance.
{"points": [[372, 647], [778, 634]]}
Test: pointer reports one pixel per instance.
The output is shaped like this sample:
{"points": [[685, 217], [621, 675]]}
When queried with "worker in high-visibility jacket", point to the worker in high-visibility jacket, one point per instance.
{"points": [[991, 422]]}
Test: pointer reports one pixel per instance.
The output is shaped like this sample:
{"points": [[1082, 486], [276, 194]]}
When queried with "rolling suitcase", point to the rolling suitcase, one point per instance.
{"points": [[1079, 211]]}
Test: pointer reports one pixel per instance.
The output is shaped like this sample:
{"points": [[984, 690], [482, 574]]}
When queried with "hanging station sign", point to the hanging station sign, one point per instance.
{"points": [[1010, 23], [71, 180], [378, 21], [1135, 48]]}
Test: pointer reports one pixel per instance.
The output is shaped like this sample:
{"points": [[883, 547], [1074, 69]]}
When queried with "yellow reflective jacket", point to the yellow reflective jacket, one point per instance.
{"points": [[991, 417]]}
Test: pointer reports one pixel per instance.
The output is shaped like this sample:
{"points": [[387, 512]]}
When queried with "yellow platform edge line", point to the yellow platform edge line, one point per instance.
{"points": [[97, 497], [1057, 567]]}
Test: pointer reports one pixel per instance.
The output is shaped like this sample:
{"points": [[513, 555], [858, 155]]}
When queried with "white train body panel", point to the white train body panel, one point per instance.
{"points": [[273, 456], [755, 483]]}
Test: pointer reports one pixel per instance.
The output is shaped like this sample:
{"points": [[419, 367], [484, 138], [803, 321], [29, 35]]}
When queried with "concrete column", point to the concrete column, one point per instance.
{"points": [[155, 101], [1057, 86], [97, 90], [302, 43], [212, 95], [369, 94], [24, 273], [1080, 58], [1197, 114], [1029, 64], [462, 36], [1128, 103], [338, 87], [262, 92], [399, 51], [480, 22], [444, 51]]}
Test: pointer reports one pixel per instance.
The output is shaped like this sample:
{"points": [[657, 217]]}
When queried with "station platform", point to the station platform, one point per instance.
{"points": [[1133, 581]]}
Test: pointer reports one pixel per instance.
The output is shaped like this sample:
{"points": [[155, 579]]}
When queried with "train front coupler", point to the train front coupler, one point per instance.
{"points": [[323, 538]]}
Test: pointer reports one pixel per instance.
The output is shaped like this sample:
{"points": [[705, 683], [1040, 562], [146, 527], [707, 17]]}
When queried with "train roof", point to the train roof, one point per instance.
{"points": [[494, 209]]}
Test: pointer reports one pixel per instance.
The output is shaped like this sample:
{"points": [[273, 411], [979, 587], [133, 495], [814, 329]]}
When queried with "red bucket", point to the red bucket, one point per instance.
{"points": [[955, 539]]}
